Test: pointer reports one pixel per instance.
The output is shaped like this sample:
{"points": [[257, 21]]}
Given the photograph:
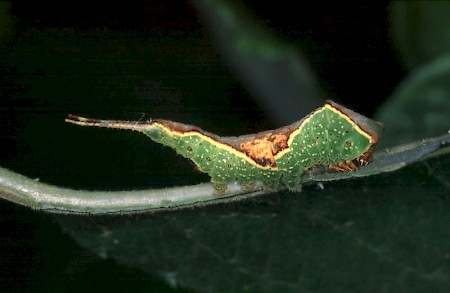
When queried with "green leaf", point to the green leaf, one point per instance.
{"points": [[275, 72], [420, 30], [420, 106], [389, 232], [31, 193]]}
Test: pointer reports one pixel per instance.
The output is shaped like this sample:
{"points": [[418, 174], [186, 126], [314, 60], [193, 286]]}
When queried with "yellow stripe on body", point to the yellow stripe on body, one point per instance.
{"points": [[143, 128], [356, 126], [295, 132], [216, 143]]}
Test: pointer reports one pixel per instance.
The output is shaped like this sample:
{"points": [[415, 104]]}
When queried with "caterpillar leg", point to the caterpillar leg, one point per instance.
{"points": [[342, 167], [271, 185], [248, 187], [291, 182], [220, 188], [365, 158]]}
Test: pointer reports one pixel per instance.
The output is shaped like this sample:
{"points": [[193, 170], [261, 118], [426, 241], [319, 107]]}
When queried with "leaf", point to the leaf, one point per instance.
{"points": [[31, 193], [352, 236], [276, 73], [420, 30], [420, 106], [390, 230]]}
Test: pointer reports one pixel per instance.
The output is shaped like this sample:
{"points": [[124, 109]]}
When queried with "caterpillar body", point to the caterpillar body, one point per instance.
{"points": [[332, 135]]}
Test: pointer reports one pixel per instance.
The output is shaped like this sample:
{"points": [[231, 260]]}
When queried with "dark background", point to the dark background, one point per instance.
{"points": [[98, 61]]}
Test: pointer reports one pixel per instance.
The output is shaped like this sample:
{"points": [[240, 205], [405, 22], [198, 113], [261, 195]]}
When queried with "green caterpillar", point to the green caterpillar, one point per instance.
{"points": [[332, 135]]}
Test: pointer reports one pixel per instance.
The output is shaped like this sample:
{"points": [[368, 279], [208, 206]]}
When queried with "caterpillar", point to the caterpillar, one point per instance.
{"points": [[332, 135]]}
